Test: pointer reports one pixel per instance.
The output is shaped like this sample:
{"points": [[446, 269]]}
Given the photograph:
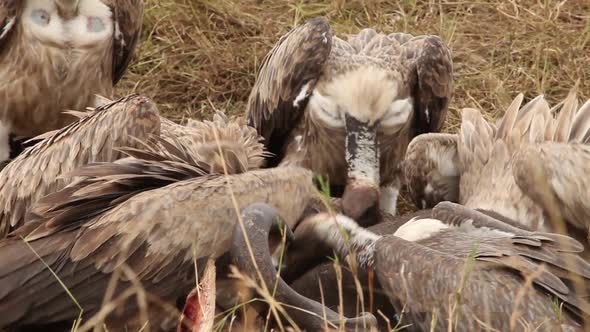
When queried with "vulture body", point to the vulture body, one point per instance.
{"points": [[55, 55], [461, 268], [157, 211], [95, 137], [347, 109], [531, 166]]}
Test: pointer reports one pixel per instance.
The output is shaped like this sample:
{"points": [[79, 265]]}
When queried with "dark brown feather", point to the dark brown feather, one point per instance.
{"points": [[296, 60], [106, 185], [433, 80], [128, 17], [8, 13]]}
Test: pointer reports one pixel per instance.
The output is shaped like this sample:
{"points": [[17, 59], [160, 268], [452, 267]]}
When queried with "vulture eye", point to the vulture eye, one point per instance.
{"points": [[41, 17], [95, 24]]}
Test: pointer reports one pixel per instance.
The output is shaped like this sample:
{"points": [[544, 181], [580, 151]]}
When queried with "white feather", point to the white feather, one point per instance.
{"points": [[325, 109], [302, 95], [417, 229], [8, 26], [388, 199], [365, 93], [398, 113]]}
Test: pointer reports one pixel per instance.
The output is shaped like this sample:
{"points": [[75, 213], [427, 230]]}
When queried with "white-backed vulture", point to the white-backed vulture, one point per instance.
{"points": [[348, 109], [55, 55], [531, 167], [465, 268], [95, 137], [157, 211]]}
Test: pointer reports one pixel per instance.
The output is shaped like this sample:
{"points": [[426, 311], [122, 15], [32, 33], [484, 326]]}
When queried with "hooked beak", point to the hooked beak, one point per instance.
{"points": [[362, 158], [68, 6]]}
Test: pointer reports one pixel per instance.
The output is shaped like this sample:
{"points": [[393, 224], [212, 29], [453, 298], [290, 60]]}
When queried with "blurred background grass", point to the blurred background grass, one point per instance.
{"points": [[199, 54]]}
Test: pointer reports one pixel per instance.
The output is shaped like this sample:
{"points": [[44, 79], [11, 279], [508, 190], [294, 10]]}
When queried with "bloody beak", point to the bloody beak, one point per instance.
{"points": [[362, 158]]}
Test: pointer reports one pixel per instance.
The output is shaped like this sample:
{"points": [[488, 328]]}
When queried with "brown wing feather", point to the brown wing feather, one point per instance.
{"points": [[128, 17], [8, 15], [106, 185], [276, 102], [39, 169], [555, 175], [153, 232], [432, 72], [32, 295]]}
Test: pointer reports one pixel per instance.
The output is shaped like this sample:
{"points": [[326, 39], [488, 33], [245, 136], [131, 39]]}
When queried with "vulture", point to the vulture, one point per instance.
{"points": [[98, 135], [95, 137], [530, 167], [55, 55], [153, 218], [347, 109], [458, 268]]}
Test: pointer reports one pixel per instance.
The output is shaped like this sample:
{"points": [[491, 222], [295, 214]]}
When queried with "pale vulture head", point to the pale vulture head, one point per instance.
{"points": [[67, 51]]}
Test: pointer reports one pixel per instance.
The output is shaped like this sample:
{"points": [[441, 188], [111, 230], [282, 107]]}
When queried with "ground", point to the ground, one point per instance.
{"points": [[199, 54]]}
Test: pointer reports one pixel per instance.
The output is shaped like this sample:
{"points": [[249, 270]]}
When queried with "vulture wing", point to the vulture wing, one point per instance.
{"points": [[8, 16], [128, 18], [493, 241], [286, 79], [431, 72], [555, 176], [156, 233], [38, 170]]}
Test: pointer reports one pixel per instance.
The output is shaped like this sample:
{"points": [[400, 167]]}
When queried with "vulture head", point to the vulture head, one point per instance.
{"points": [[347, 109], [431, 169], [68, 51], [258, 221]]}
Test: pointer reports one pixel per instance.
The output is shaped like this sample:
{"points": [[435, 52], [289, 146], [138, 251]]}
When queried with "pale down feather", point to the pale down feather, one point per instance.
{"points": [[530, 166]]}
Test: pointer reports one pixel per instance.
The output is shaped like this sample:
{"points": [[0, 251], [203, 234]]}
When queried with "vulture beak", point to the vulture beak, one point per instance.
{"points": [[68, 6], [362, 158]]}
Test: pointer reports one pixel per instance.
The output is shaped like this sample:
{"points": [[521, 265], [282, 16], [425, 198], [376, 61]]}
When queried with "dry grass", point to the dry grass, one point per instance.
{"points": [[198, 53]]}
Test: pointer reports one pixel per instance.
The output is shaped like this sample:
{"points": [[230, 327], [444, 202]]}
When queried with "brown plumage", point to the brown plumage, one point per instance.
{"points": [[153, 211], [528, 167], [259, 220], [42, 169], [348, 109], [318, 280], [56, 54], [427, 262]]}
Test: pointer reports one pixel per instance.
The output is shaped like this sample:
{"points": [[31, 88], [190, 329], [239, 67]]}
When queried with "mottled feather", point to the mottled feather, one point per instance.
{"points": [[40, 169], [277, 101]]}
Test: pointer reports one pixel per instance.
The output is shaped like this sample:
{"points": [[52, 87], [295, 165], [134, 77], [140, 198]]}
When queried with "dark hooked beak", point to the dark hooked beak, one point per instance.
{"points": [[68, 7], [362, 158]]}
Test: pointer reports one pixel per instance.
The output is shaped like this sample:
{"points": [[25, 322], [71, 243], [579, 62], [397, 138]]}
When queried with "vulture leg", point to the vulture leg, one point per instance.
{"points": [[259, 220]]}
